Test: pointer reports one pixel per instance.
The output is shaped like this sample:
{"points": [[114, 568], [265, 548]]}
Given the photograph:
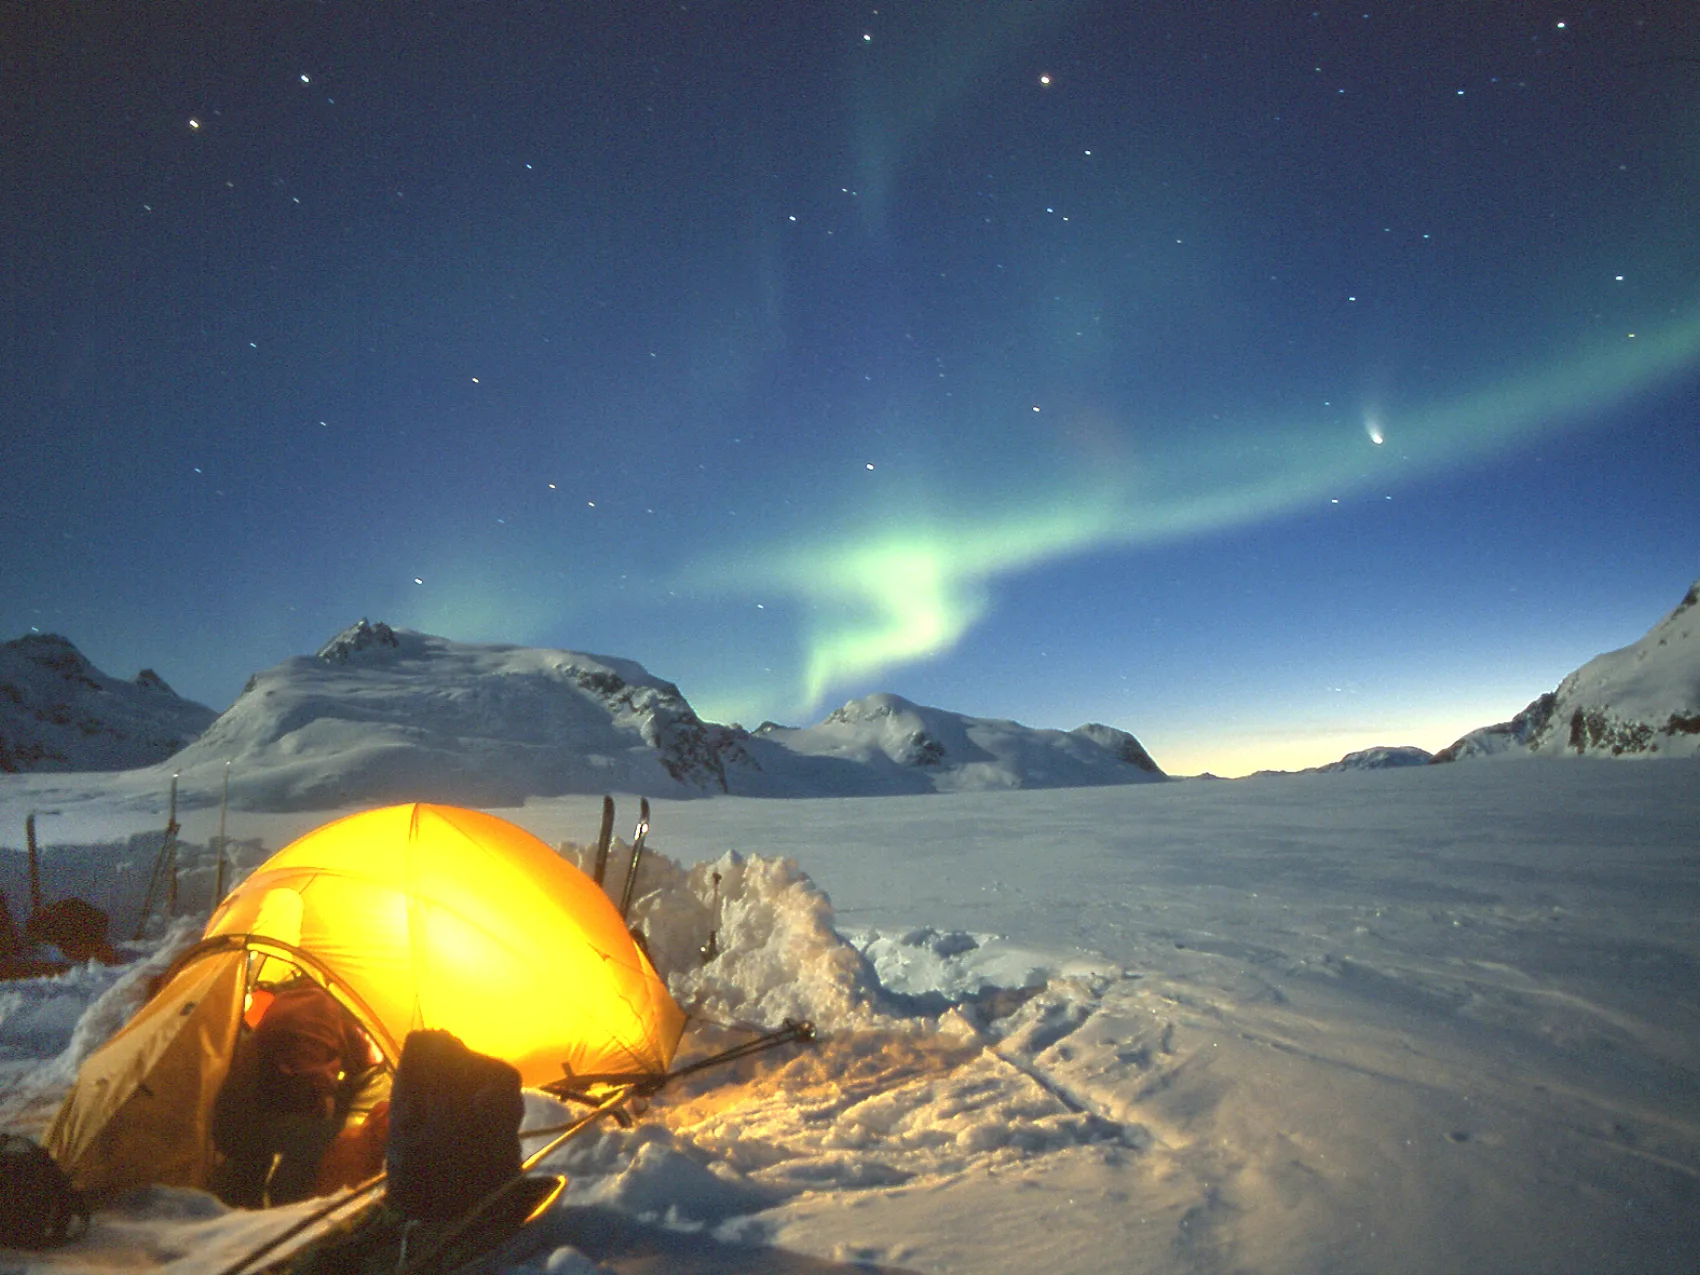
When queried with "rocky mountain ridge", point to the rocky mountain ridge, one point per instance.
{"points": [[1642, 700], [389, 714], [58, 712]]}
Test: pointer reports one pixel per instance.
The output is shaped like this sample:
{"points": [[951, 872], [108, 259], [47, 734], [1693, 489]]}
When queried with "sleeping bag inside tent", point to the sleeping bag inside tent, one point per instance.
{"points": [[414, 916]]}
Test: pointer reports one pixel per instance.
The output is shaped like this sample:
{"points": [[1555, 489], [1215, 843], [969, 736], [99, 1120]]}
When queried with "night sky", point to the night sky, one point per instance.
{"points": [[1268, 380]]}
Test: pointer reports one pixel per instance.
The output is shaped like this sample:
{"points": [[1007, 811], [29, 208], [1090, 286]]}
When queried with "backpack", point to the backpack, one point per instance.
{"points": [[38, 1205], [454, 1127]]}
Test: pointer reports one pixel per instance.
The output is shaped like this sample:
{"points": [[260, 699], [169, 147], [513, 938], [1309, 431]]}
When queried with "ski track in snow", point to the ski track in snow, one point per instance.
{"points": [[1434, 1019]]}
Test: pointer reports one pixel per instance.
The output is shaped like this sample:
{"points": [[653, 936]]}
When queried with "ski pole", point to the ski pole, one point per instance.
{"points": [[637, 854]]}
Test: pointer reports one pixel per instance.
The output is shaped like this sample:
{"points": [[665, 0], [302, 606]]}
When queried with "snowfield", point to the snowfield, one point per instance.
{"points": [[1442, 1018]]}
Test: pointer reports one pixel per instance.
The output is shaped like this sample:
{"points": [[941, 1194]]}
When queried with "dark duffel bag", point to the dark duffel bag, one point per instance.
{"points": [[39, 1208], [454, 1127]]}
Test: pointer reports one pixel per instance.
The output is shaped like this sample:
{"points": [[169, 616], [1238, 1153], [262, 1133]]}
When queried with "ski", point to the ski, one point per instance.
{"points": [[604, 839], [637, 854]]}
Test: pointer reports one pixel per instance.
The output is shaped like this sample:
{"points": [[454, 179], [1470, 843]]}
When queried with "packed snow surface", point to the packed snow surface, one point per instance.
{"points": [[1442, 1018]]}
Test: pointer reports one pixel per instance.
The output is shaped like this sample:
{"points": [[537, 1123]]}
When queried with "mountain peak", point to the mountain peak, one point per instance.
{"points": [[1119, 742], [382, 714], [886, 744], [58, 712], [359, 636], [1640, 700]]}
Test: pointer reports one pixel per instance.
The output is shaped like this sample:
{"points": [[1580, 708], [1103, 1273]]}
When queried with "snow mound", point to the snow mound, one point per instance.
{"points": [[567, 1260], [118, 1003], [924, 1065], [49, 1025], [777, 954]]}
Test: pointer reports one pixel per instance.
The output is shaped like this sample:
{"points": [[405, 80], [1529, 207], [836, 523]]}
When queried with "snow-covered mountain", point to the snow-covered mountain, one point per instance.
{"points": [[1642, 700], [389, 714], [1383, 758], [884, 744], [1379, 759], [59, 712], [384, 714], [1514, 736]]}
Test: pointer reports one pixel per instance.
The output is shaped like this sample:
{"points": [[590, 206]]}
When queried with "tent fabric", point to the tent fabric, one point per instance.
{"points": [[140, 1109], [415, 916], [436, 916]]}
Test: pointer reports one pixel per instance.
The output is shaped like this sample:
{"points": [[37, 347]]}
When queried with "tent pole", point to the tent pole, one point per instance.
{"points": [[792, 1031]]}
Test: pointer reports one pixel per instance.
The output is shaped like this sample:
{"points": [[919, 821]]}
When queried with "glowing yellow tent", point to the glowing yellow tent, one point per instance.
{"points": [[413, 916]]}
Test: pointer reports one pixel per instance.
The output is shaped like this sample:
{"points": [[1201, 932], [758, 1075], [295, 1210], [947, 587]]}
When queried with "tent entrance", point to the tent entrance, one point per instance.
{"points": [[273, 963], [141, 1112]]}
